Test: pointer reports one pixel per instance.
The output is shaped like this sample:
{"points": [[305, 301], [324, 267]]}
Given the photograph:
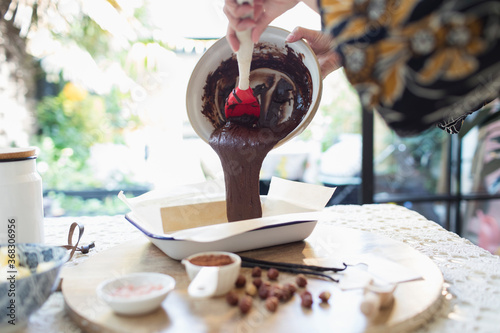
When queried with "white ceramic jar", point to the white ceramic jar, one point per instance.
{"points": [[21, 197]]}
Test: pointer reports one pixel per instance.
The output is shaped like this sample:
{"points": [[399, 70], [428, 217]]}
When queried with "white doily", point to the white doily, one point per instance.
{"points": [[471, 274]]}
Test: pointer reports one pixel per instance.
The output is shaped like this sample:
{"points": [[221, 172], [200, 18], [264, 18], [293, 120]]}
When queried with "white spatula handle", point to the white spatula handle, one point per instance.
{"points": [[244, 54]]}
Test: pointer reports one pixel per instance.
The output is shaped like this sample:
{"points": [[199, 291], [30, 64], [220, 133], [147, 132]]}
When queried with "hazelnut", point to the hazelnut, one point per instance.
{"points": [[291, 288], [264, 291], [240, 281], [306, 299], [324, 296], [251, 289], [272, 304], [273, 273], [276, 291], [257, 282], [286, 294], [245, 304], [256, 271], [232, 298], [301, 280]]}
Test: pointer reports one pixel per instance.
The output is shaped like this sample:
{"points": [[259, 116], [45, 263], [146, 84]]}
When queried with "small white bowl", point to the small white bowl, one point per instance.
{"points": [[136, 293], [226, 275]]}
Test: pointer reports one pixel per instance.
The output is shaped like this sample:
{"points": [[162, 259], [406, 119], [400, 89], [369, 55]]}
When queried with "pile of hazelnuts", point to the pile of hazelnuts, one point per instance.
{"points": [[271, 293]]}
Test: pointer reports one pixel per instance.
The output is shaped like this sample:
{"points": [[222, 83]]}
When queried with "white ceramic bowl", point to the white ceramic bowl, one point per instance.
{"points": [[221, 51], [226, 275], [136, 293]]}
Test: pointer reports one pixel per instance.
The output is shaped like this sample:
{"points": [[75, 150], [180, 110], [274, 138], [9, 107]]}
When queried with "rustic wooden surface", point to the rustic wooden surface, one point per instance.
{"points": [[415, 301]]}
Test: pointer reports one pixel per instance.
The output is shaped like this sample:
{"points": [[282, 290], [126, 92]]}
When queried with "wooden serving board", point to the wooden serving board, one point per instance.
{"points": [[415, 301]]}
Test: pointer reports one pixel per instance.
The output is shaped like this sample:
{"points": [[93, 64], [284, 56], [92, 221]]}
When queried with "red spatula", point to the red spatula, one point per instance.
{"points": [[241, 104]]}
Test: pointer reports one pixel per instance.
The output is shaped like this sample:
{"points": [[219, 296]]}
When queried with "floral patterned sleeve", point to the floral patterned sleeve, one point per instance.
{"points": [[418, 63]]}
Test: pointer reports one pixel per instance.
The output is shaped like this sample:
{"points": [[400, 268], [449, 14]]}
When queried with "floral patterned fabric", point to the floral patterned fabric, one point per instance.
{"points": [[418, 63]]}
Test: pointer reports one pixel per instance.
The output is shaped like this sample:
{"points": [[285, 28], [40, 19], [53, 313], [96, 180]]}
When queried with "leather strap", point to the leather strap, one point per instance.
{"points": [[83, 249]]}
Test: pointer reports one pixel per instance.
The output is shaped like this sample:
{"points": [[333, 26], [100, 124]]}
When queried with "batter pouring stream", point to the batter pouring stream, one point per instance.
{"points": [[283, 86]]}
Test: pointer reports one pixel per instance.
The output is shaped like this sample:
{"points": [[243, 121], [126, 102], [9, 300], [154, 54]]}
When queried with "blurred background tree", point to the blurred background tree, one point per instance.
{"points": [[18, 72], [68, 78]]}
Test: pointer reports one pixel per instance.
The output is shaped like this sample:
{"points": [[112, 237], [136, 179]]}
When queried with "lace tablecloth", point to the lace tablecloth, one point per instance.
{"points": [[471, 274]]}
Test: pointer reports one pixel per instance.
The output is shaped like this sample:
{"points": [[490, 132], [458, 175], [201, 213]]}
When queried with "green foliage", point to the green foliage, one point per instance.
{"points": [[69, 125], [62, 204], [72, 125], [89, 36], [60, 168], [341, 120], [341, 115], [424, 151], [74, 120]]}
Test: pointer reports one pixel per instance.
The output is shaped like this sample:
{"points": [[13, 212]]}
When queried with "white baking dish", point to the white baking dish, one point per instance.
{"points": [[192, 219], [286, 232]]}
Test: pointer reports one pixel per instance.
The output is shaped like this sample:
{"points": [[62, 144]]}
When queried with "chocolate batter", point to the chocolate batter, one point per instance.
{"points": [[283, 85]]}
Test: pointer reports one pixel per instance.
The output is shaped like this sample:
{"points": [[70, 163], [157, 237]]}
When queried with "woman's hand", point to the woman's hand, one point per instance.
{"points": [[322, 45], [264, 12]]}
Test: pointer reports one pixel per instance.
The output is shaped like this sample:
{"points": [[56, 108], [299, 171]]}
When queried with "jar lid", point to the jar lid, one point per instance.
{"points": [[16, 154]]}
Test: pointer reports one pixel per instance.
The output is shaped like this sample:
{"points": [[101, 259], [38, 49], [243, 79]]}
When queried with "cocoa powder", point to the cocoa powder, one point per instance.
{"points": [[211, 260]]}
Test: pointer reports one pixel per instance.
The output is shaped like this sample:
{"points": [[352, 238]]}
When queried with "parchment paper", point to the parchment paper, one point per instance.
{"points": [[203, 204]]}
